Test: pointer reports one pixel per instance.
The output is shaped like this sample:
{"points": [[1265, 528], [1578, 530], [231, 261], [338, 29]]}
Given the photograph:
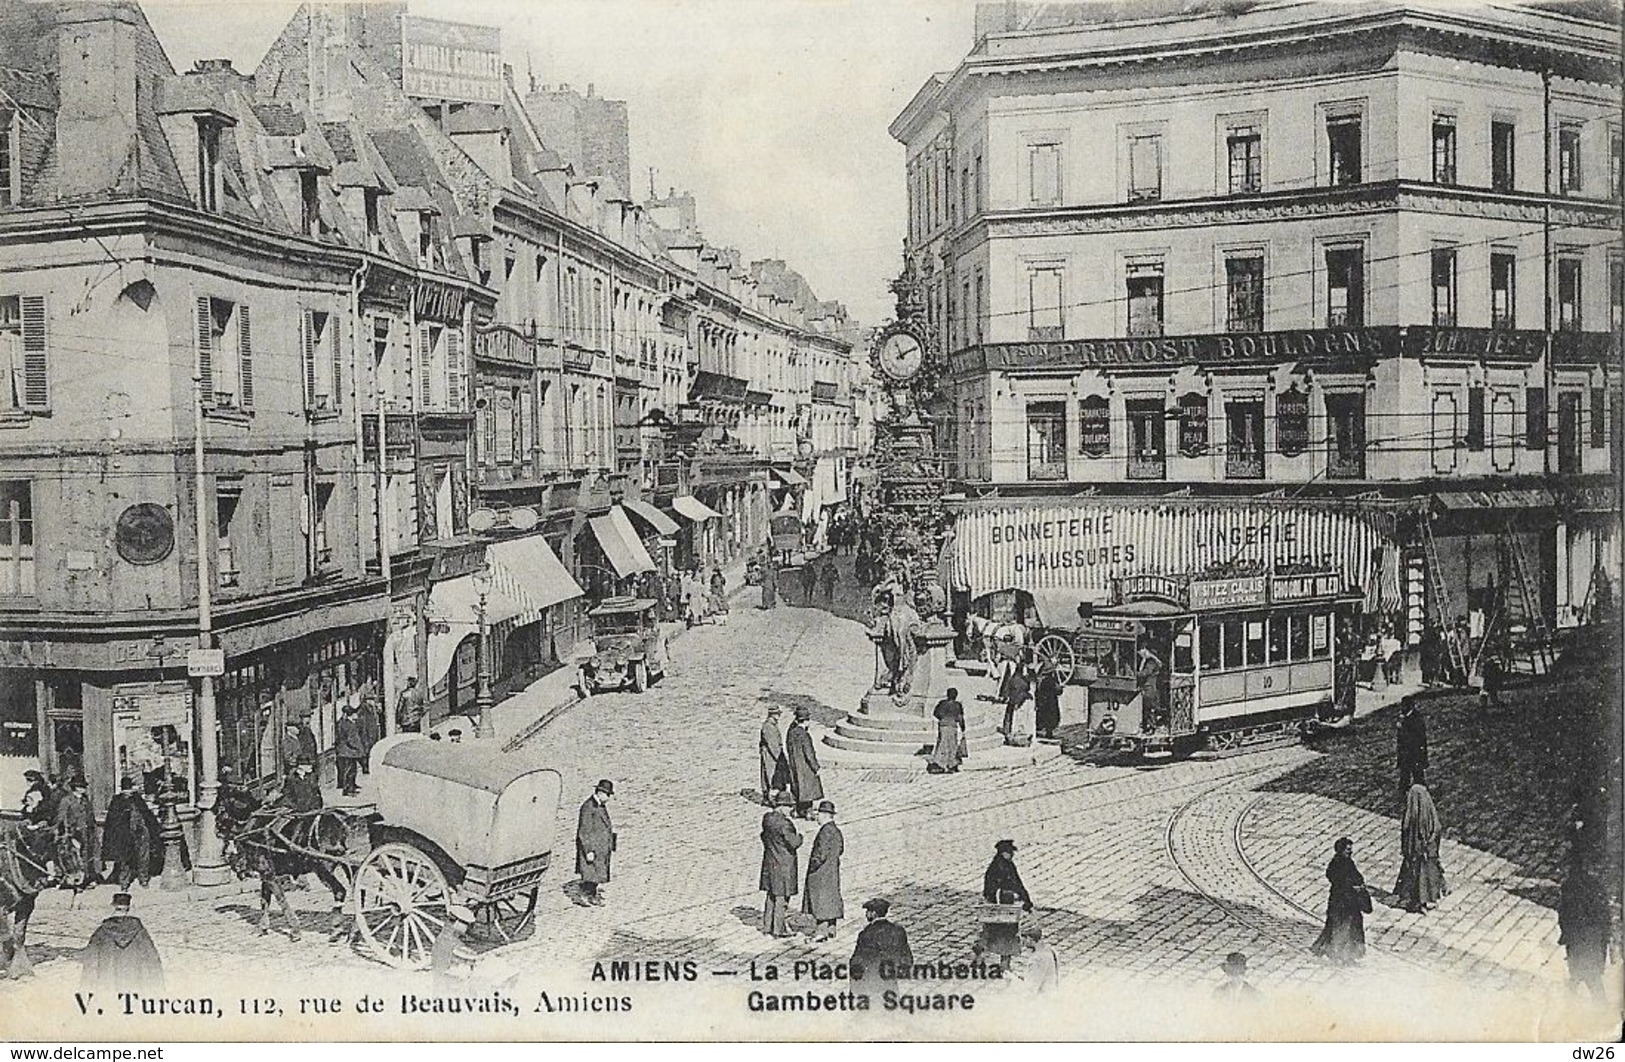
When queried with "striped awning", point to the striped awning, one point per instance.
{"points": [[620, 543], [691, 508], [662, 524], [527, 570]]}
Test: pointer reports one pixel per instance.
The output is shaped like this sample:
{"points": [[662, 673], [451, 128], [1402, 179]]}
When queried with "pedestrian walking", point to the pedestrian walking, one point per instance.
{"points": [[121, 956], [1584, 925], [1492, 675], [76, 825], [1342, 940], [1043, 973], [409, 707], [130, 838], [1001, 884], [350, 751], [1047, 700], [1421, 876], [1017, 689], [809, 580], [1392, 656], [882, 954], [775, 768], [805, 785], [371, 721], [719, 594], [1430, 650], [1235, 988], [595, 842], [780, 871], [822, 896], [770, 583], [1412, 743], [827, 578], [949, 751]]}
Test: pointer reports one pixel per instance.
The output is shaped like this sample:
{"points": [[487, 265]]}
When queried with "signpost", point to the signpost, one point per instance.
{"points": [[201, 663]]}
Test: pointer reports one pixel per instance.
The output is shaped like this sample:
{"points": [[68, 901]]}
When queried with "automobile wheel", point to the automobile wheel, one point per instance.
{"points": [[640, 676]]}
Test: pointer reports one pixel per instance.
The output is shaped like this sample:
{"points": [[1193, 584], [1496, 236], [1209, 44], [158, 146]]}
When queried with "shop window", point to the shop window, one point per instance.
{"points": [[1475, 418], [1568, 294], [1345, 413], [1245, 147], [17, 538], [1444, 149], [1244, 439], [1345, 287], [1444, 287], [1046, 440], [1503, 288], [1503, 155], [1244, 285], [1568, 158], [1344, 149], [1193, 425], [1144, 290], [19, 725], [1148, 433]]}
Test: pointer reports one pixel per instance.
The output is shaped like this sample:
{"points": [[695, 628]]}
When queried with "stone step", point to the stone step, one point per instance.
{"points": [[911, 723], [908, 746], [859, 726]]}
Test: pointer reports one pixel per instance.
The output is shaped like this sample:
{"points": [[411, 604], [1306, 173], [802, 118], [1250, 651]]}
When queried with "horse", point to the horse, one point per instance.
{"points": [[32, 859], [276, 846]]}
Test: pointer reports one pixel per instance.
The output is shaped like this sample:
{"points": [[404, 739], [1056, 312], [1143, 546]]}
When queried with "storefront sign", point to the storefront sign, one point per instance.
{"points": [[205, 663], [1318, 347], [1243, 592], [1095, 427], [1292, 423], [451, 60], [1513, 347], [1286, 588], [25, 654]]}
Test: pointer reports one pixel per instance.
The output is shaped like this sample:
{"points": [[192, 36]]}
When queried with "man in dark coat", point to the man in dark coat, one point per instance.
{"points": [[130, 838], [595, 840], [1584, 922], [780, 839], [822, 896], [805, 786], [409, 707], [775, 769], [350, 751], [882, 952], [40, 800], [1412, 745], [827, 578], [371, 721], [300, 792], [1047, 701], [809, 580], [121, 956], [307, 741], [76, 820]]}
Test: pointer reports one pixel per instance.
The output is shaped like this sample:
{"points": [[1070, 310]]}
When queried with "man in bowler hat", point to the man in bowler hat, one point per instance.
{"points": [[595, 840], [805, 785]]}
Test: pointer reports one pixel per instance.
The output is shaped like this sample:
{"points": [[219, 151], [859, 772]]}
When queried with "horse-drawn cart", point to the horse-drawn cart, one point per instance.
{"points": [[455, 824]]}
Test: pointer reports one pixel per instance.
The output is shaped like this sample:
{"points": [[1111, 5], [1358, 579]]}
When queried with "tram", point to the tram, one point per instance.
{"points": [[1175, 664]]}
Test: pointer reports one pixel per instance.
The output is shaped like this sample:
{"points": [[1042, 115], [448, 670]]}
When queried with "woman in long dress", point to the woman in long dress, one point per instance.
{"points": [[1343, 939], [1421, 877], [950, 748]]}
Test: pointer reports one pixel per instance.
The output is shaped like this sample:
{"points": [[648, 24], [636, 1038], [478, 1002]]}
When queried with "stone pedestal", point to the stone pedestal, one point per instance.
{"points": [[927, 682]]}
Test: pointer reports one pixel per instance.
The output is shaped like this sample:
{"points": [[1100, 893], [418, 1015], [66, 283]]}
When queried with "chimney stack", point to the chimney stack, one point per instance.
{"points": [[96, 75]]}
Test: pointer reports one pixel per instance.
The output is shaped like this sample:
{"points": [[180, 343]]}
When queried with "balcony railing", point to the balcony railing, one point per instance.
{"points": [[1243, 466], [1147, 466]]}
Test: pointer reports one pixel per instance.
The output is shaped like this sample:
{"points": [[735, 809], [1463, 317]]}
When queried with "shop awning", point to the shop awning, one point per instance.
{"points": [[691, 508], [662, 524], [620, 543], [790, 477], [528, 570], [1460, 500], [443, 646], [458, 601]]}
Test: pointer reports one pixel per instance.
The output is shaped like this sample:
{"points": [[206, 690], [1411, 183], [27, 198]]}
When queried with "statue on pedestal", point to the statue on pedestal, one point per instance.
{"points": [[894, 632]]}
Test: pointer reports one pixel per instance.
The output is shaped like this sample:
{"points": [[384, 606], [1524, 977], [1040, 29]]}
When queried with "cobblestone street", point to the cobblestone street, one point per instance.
{"points": [[1145, 876]]}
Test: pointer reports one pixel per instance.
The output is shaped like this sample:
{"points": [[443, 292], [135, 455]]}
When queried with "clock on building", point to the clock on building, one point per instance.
{"points": [[900, 354]]}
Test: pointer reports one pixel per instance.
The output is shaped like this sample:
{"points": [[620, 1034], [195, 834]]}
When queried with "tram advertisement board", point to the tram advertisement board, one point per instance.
{"points": [[1242, 592]]}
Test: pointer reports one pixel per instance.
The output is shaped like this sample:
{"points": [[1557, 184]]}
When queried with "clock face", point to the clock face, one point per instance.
{"points": [[901, 356]]}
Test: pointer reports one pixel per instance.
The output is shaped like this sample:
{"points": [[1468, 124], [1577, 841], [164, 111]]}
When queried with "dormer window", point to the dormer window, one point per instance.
{"points": [[10, 175], [310, 204], [426, 240], [375, 231], [208, 164]]}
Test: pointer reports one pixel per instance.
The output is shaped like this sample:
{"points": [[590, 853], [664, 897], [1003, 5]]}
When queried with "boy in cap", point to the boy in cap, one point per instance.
{"points": [[595, 840], [882, 952], [1235, 985]]}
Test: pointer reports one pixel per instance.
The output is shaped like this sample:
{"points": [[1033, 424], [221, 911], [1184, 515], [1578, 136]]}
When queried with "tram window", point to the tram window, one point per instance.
{"points": [[1232, 643], [1182, 652], [1320, 636], [1255, 641], [1278, 639], [1299, 638], [1211, 660]]}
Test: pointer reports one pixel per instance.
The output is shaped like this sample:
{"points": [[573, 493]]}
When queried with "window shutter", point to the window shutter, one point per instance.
{"points": [[454, 369], [338, 363], [205, 341], [36, 371], [245, 356], [307, 346], [425, 369]]}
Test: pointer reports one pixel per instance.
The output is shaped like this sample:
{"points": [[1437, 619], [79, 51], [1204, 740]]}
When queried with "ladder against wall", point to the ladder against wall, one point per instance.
{"points": [[1517, 627]]}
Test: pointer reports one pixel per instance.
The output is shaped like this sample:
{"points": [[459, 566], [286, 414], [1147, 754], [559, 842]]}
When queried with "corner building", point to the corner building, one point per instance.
{"points": [[1355, 260]]}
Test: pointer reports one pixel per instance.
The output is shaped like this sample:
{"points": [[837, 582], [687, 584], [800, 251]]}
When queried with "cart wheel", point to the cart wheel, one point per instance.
{"points": [[640, 676], [506, 920], [1056, 651], [401, 900]]}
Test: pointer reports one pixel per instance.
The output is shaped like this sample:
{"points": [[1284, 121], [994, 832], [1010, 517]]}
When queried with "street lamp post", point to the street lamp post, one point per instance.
{"points": [[483, 700], [209, 867]]}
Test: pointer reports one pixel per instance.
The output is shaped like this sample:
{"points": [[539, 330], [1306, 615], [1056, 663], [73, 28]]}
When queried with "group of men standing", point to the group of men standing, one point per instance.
{"points": [[789, 763]]}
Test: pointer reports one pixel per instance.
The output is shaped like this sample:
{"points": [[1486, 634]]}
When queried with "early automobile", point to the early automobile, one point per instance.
{"points": [[629, 648]]}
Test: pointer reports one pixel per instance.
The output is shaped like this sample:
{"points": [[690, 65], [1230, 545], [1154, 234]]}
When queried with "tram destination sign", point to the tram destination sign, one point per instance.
{"points": [[1239, 592]]}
